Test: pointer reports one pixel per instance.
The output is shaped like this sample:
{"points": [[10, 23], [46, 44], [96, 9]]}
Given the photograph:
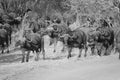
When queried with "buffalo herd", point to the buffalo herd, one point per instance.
{"points": [[100, 38]]}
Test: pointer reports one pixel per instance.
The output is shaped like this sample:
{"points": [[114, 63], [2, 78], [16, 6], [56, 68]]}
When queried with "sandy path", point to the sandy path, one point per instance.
{"points": [[105, 68]]}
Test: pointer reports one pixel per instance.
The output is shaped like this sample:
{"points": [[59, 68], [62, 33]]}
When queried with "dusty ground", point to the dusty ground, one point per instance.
{"points": [[58, 67]]}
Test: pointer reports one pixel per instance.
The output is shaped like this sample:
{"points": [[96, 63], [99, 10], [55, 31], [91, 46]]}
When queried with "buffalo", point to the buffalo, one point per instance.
{"points": [[92, 39], [54, 31], [103, 38], [4, 39], [75, 39], [36, 26], [8, 28], [31, 42]]}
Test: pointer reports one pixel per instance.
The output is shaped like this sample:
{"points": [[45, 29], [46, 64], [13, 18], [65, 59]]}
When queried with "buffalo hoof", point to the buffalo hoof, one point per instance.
{"points": [[43, 58], [85, 55], [93, 53], [106, 54], [99, 53], [36, 59], [2, 52], [69, 56], [80, 56], [27, 60], [54, 51], [8, 51], [22, 61]]}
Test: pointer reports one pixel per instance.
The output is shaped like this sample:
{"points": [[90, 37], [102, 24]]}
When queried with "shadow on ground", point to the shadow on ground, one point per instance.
{"points": [[59, 57], [11, 58]]}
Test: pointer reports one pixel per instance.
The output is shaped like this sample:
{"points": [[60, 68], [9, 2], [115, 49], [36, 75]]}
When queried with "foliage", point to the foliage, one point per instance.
{"points": [[63, 9]]}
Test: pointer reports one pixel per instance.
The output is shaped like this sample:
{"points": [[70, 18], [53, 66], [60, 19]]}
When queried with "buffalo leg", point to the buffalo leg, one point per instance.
{"points": [[55, 44], [69, 52], [27, 56], [110, 49], [42, 48], [37, 56], [93, 50], [23, 56], [7, 42], [8, 49], [106, 51], [100, 50], [10, 39], [43, 53], [80, 52], [116, 50], [63, 49], [51, 41], [86, 48], [3, 48], [119, 55], [2, 51]]}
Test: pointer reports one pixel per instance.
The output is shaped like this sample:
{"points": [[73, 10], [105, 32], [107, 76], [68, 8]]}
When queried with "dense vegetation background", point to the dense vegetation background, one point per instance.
{"points": [[65, 10]]}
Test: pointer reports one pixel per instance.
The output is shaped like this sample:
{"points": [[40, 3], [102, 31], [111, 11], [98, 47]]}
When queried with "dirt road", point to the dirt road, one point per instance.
{"points": [[90, 68]]}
